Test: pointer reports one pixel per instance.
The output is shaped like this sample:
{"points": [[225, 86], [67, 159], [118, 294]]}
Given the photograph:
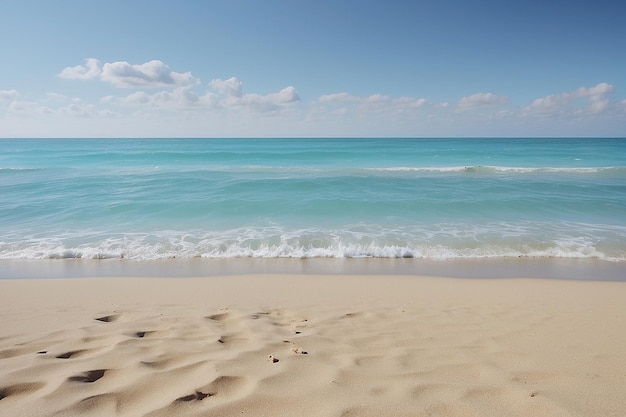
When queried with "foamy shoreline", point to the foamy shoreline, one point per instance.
{"points": [[360, 345]]}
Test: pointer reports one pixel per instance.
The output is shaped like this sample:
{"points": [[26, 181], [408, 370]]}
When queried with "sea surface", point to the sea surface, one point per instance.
{"points": [[435, 199]]}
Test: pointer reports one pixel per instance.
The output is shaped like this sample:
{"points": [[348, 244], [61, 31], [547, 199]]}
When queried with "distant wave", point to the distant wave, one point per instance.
{"points": [[487, 169], [9, 169], [306, 170]]}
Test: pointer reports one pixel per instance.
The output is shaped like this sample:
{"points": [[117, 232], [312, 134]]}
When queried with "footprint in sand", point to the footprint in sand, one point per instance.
{"points": [[219, 316], [141, 334], [72, 354], [233, 339], [224, 387], [109, 318], [298, 350], [196, 396], [295, 348], [89, 376]]}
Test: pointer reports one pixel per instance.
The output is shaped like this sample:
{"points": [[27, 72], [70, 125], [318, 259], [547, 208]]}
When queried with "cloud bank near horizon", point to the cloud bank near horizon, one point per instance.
{"points": [[159, 91]]}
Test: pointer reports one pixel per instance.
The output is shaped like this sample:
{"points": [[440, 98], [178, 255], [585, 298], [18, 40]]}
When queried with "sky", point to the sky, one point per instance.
{"points": [[327, 68]]}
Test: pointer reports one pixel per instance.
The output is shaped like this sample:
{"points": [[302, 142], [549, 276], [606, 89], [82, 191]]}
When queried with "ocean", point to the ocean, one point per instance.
{"points": [[435, 199]]}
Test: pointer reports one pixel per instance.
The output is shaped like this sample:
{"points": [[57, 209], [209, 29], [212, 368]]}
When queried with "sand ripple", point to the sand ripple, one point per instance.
{"points": [[460, 358]]}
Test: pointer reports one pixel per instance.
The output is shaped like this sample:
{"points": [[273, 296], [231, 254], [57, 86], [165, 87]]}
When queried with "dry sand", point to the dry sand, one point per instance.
{"points": [[306, 345]]}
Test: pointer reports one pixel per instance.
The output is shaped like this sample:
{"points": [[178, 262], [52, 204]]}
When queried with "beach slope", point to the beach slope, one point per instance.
{"points": [[312, 345]]}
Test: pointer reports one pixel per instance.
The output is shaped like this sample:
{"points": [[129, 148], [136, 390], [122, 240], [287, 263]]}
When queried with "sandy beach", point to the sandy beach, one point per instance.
{"points": [[312, 345]]}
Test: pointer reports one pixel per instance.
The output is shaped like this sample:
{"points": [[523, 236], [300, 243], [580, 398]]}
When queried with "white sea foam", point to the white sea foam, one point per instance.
{"points": [[9, 169], [450, 242]]}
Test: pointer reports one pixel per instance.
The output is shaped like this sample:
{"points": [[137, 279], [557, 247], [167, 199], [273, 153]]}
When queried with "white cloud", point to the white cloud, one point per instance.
{"points": [[228, 95], [598, 102], [29, 108], [90, 70], [371, 99], [410, 102], [231, 95], [8, 95], [480, 100], [152, 74], [367, 104], [52, 105], [285, 96], [338, 98], [263, 103], [374, 103], [60, 98], [155, 74], [340, 111], [148, 75], [562, 104], [82, 110], [230, 87], [79, 110], [180, 98], [137, 98]]}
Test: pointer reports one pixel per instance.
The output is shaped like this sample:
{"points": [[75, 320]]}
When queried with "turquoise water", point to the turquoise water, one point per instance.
{"points": [[303, 198]]}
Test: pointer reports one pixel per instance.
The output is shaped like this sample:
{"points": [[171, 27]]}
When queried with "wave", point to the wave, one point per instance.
{"points": [[333, 171], [487, 169], [18, 169], [298, 171], [451, 246]]}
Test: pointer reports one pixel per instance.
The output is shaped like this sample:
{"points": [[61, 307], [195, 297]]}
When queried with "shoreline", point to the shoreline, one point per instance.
{"points": [[540, 268]]}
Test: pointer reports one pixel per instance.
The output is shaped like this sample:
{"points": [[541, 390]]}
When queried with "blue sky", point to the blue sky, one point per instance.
{"points": [[319, 68]]}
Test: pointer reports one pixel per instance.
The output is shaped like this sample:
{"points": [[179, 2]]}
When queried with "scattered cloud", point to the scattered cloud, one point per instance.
{"points": [[230, 94], [375, 103], [61, 98], [263, 103], [83, 110], [231, 87], [409, 102], [558, 105], [226, 94], [480, 100], [90, 70], [152, 74], [338, 98], [54, 104], [29, 108], [8, 95], [225, 102], [180, 98]]}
